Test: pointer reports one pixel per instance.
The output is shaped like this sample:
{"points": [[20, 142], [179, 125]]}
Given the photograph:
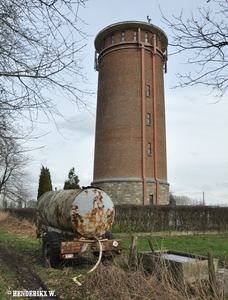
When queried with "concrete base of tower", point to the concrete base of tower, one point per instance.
{"points": [[130, 190]]}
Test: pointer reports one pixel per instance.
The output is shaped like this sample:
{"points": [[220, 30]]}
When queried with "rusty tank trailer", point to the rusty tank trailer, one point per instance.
{"points": [[86, 212], [75, 221]]}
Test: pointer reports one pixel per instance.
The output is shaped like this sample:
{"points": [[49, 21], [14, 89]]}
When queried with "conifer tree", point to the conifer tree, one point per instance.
{"points": [[45, 183], [72, 182]]}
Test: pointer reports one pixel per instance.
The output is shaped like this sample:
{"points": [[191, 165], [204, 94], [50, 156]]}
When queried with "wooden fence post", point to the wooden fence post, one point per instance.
{"points": [[211, 271], [133, 260], [151, 246]]}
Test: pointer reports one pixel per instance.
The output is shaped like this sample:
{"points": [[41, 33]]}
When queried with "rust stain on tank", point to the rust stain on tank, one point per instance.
{"points": [[75, 217], [96, 221]]}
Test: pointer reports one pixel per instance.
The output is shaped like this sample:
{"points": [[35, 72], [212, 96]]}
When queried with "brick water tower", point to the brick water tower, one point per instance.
{"points": [[130, 141]]}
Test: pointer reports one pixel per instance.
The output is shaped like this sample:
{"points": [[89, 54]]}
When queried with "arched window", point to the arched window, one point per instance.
{"points": [[146, 37], [149, 119], [148, 90], [149, 151], [122, 36]]}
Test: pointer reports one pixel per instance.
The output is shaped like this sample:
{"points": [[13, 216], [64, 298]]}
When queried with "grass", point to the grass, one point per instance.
{"points": [[195, 244], [8, 283], [200, 245], [21, 243]]}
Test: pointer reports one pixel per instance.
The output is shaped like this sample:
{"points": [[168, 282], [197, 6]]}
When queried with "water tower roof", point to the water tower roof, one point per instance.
{"points": [[128, 25]]}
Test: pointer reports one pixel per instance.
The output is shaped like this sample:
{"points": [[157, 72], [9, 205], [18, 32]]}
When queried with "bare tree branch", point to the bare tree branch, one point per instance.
{"points": [[41, 51], [204, 39]]}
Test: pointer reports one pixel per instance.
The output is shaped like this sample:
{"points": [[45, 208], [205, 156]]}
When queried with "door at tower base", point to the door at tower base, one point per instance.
{"points": [[130, 191]]}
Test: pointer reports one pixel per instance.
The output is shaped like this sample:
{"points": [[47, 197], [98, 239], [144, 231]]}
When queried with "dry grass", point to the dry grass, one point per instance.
{"points": [[3, 215], [115, 282], [14, 225]]}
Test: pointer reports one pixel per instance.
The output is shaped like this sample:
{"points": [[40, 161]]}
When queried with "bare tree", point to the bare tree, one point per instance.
{"points": [[13, 163], [22, 193], [185, 200], [203, 36], [40, 46]]}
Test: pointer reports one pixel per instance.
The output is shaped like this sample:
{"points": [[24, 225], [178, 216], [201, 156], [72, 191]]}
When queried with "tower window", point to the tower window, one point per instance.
{"points": [[148, 90], [148, 119], [149, 151], [123, 36], [112, 38], [146, 37], [135, 36]]}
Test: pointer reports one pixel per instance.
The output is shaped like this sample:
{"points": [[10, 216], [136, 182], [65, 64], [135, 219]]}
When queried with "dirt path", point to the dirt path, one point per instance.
{"points": [[28, 279]]}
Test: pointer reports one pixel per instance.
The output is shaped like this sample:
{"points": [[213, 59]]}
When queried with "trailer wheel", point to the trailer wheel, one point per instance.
{"points": [[51, 250], [109, 235]]}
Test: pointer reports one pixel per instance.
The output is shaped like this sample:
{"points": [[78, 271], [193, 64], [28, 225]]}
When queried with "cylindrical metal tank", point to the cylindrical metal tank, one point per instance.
{"points": [[88, 212]]}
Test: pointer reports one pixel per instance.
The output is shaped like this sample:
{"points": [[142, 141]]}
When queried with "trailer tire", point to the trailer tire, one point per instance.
{"points": [[51, 250], [109, 235]]}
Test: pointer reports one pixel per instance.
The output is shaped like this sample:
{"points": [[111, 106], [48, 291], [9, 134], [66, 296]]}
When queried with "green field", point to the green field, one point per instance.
{"points": [[194, 244]]}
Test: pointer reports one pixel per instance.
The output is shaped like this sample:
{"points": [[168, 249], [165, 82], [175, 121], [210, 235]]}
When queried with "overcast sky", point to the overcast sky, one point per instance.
{"points": [[196, 128]]}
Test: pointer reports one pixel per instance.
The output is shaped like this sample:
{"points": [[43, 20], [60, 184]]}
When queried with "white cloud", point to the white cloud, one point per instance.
{"points": [[82, 124]]}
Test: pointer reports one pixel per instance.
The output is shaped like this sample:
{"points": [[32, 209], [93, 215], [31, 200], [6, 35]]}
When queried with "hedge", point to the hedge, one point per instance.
{"points": [[139, 218]]}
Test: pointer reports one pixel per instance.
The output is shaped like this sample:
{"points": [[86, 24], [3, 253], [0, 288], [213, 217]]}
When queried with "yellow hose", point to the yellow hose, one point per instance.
{"points": [[75, 279]]}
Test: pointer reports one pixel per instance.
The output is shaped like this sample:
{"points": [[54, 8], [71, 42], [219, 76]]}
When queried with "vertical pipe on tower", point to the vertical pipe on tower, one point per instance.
{"points": [[144, 177], [155, 120]]}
